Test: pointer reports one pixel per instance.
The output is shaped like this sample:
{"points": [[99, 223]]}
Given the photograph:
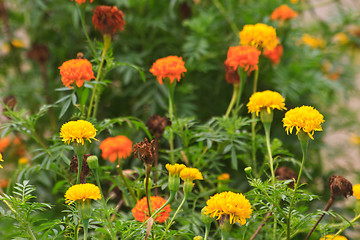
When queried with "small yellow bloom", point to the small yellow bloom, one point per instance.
{"points": [[267, 100], [328, 237], [355, 139], [191, 174], [17, 43], [77, 131], [223, 177], [341, 38], [233, 205], [1, 160], [304, 118], [175, 169], [23, 161], [82, 192], [313, 42], [259, 35], [356, 191]]}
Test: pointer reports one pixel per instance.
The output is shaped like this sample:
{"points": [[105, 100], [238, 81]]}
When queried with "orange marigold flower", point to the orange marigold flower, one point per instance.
{"points": [[4, 143], [171, 67], [4, 183], [246, 57], [141, 210], [223, 177], [283, 13], [275, 54], [259, 35], [108, 19], [81, 1], [116, 147], [76, 70]]}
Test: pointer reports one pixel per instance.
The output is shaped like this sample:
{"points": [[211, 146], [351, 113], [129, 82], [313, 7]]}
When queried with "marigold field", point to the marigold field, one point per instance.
{"points": [[181, 119]]}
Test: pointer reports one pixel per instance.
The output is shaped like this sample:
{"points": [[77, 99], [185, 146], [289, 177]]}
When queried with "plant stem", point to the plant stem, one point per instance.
{"points": [[236, 90], [261, 225], [172, 219], [147, 176], [126, 183], [171, 87], [86, 226], [81, 10], [170, 199], [30, 232], [253, 125], [342, 229]]}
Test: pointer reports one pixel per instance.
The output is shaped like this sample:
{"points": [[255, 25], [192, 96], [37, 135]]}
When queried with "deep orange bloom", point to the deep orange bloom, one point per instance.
{"points": [[168, 67], [108, 19], [283, 13], [141, 211], [76, 70], [116, 147], [4, 183], [231, 75], [82, 1], [246, 57], [4, 143], [275, 54]]}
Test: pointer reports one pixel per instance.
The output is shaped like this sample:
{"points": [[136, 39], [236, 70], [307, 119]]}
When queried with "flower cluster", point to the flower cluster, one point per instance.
{"points": [[267, 100], [313, 42], [275, 54], [108, 20], [259, 35], [82, 192], [77, 131], [233, 205], [140, 211], [246, 57], [305, 118], [283, 13], [116, 148], [76, 70], [171, 67]]}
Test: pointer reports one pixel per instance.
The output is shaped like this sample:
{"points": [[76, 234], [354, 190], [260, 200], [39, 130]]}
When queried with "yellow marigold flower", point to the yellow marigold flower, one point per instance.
{"points": [[313, 42], [77, 131], [23, 161], [304, 118], [82, 192], [175, 169], [1, 160], [17, 43], [283, 13], [223, 177], [328, 237], [259, 35], [355, 139], [266, 100], [234, 205], [191, 174], [341, 38], [356, 191]]}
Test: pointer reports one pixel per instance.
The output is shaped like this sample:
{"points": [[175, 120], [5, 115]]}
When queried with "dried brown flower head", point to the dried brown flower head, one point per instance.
{"points": [[231, 75], [85, 170], [9, 101], [340, 186], [39, 53], [157, 124], [108, 19], [285, 173], [145, 150]]}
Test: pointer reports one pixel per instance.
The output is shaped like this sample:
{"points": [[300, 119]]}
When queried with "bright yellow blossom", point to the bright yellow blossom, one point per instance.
{"points": [[356, 191], [191, 174], [259, 35], [267, 100], [82, 192], [175, 169], [328, 237], [313, 42], [77, 131]]}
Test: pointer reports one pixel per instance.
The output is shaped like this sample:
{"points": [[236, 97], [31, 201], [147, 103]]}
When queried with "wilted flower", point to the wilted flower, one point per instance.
{"points": [[305, 118], [108, 19], [77, 131], [340, 186], [265, 101], [275, 54], [259, 35], [116, 148], [246, 57], [145, 150], [283, 13], [141, 210], [229, 204], [157, 124], [76, 70], [82, 192], [231, 75], [171, 67]]}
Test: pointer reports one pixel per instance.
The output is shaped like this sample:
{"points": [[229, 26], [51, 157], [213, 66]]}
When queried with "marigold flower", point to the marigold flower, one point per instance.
{"points": [[223, 177], [141, 210], [355, 139], [246, 57], [82, 192], [304, 118], [275, 54], [76, 70], [259, 35], [341, 38], [175, 169], [191, 174], [108, 19], [82, 1], [116, 147], [266, 100], [331, 236], [1, 160], [4, 183], [356, 191], [4, 143], [23, 161], [313, 42], [283, 13], [234, 205], [77, 131], [171, 67]]}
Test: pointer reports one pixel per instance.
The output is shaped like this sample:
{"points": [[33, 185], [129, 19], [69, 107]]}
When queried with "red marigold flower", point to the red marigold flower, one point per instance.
{"points": [[76, 70], [108, 19], [141, 211], [283, 13], [168, 67], [116, 147], [246, 57], [82, 1], [275, 54]]}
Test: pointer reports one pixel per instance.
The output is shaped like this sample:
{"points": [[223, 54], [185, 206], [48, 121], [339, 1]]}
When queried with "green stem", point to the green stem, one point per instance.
{"points": [[207, 230], [234, 97], [81, 10], [304, 145], [253, 125], [86, 227], [170, 199], [345, 227], [147, 176], [172, 219], [126, 183], [171, 87], [79, 151], [30, 232]]}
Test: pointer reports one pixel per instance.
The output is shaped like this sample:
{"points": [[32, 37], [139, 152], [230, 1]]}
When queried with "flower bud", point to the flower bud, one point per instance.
{"points": [[149, 183], [248, 171], [198, 238], [93, 162], [205, 217]]}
